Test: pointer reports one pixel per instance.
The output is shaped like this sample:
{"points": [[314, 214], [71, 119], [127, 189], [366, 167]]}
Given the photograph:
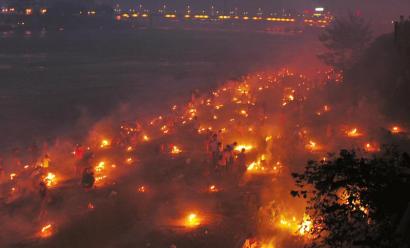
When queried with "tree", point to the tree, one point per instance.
{"points": [[356, 202], [345, 40]]}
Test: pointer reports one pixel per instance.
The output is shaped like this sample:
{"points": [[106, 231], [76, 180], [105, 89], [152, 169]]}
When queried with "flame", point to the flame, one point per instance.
{"points": [[244, 113], [371, 147], [295, 226], [145, 138], [100, 167], [306, 225], [312, 146], [129, 160], [243, 146], [142, 189], [50, 180], [395, 129], [353, 133], [46, 231], [192, 220], [213, 188], [12, 176], [175, 150], [90, 206], [105, 143]]}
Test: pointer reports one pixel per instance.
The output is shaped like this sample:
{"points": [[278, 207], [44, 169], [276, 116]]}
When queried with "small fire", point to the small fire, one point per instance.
{"points": [[295, 226], [306, 225], [100, 167], [244, 113], [90, 206], [46, 231], [353, 133], [395, 129], [165, 129], [175, 150], [213, 189], [12, 176], [312, 146], [145, 138], [369, 147], [129, 160], [192, 220], [129, 149], [246, 147], [142, 189], [50, 179], [105, 143]]}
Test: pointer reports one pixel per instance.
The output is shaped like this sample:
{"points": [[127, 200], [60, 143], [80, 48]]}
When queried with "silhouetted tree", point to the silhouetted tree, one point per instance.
{"points": [[357, 202], [345, 40]]}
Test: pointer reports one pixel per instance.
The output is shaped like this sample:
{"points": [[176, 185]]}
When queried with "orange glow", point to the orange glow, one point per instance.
{"points": [[175, 150], [100, 167], [129, 160], [50, 180], [192, 220], [142, 189], [353, 133], [46, 231], [243, 146], [312, 146], [90, 206], [12, 176], [395, 129], [371, 147], [28, 11], [213, 189], [105, 143]]}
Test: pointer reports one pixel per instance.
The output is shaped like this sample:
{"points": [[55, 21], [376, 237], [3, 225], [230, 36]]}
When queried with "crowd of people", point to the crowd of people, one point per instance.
{"points": [[226, 158]]}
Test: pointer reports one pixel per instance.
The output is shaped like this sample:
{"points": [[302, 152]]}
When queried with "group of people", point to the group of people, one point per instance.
{"points": [[226, 158]]}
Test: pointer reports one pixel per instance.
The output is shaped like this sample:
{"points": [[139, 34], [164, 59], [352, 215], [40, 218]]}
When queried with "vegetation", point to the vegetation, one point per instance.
{"points": [[345, 41], [356, 201]]}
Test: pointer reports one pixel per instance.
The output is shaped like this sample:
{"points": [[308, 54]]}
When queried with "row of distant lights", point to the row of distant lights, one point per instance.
{"points": [[27, 11], [221, 17]]}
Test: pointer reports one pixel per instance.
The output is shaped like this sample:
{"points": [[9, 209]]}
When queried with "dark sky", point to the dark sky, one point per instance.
{"points": [[372, 6]]}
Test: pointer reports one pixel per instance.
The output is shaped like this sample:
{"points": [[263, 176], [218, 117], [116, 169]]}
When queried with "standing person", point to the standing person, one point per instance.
{"points": [[221, 163], [233, 153], [226, 154], [43, 193], [88, 179], [241, 162]]}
